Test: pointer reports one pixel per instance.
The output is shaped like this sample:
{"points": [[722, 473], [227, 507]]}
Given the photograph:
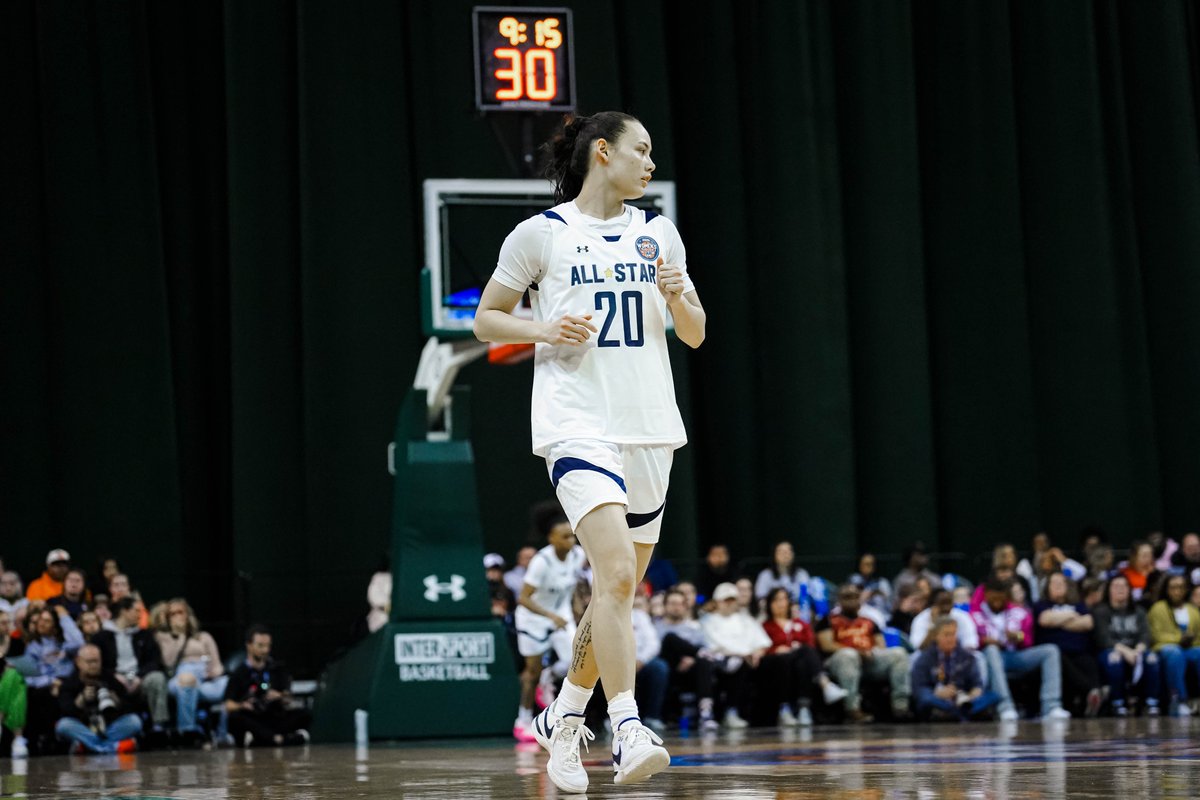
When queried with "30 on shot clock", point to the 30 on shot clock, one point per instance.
{"points": [[524, 59]]}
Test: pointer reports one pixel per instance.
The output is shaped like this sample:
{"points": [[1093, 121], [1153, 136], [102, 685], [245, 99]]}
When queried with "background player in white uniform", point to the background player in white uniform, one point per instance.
{"points": [[544, 618], [602, 276]]}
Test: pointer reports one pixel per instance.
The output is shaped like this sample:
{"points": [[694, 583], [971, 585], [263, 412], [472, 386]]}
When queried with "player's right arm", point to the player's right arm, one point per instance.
{"points": [[494, 321], [522, 264], [526, 600]]}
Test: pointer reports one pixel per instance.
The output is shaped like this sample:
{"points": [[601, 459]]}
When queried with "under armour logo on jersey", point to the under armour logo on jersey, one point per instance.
{"points": [[454, 587], [581, 248]]}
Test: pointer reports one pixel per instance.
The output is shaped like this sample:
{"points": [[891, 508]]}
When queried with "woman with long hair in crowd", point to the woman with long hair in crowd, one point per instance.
{"points": [[793, 665], [1123, 637], [193, 664], [1174, 627]]}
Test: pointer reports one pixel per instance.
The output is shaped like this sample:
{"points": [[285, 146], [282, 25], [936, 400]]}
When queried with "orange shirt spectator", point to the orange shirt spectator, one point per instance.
{"points": [[58, 561]]}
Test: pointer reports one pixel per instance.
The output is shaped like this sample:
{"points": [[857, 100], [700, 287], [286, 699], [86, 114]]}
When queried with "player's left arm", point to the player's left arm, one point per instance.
{"points": [[685, 310]]}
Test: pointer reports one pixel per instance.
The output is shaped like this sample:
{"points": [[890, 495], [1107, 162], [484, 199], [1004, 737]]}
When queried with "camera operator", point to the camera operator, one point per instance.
{"points": [[257, 698], [94, 708]]}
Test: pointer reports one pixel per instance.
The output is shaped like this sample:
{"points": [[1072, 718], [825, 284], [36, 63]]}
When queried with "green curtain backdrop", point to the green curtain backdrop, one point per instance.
{"points": [[950, 251]]}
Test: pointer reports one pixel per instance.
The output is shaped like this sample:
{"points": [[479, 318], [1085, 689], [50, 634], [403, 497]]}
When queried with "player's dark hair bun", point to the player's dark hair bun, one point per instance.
{"points": [[568, 150]]}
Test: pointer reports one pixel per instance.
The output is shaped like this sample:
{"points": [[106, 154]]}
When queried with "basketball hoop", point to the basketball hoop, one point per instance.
{"points": [[509, 353]]}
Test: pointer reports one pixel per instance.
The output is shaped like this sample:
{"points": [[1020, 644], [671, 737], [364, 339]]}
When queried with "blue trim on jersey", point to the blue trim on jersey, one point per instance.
{"points": [[638, 520], [565, 465], [553, 215], [616, 238], [650, 215]]}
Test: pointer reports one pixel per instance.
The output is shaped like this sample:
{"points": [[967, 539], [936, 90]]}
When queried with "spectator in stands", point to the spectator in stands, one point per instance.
{"points": [[783, 572], [945, 677], [95, 714], [660, 575], [655, 606], [50, 584], [745, 597], [136, 661], [1045, 560], [689, 592], [1140, 571], [652, 671], [493, 564], [1164, 548], [1091, 591], [94, 633], [54, 640], [910, 601], [193, 664], [942, 606], [876, 589], [74, 593], [1122, 634], [856, 651], [1100, 562], [791, 669], [1062, 620], [1005, 632], [717, 569], [685, 649], [741, 641], [916, 565], [1174, 625], [514, 579], [379, 596], [13, 701], [1186, 558], [106, 567], [119, 586], [14, 603], [1089, 538], [1004, 561], [258, 695]]}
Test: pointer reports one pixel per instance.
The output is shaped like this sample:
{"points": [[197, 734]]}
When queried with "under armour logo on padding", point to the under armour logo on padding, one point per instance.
{"points": [[454, 587], [581, 248]]}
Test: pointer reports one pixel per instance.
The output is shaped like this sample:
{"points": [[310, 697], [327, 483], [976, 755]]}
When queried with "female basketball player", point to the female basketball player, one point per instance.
{"points": [[602, 277]]}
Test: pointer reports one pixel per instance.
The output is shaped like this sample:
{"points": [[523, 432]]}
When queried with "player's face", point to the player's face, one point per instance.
{"points": [[629, 162], [561, 537]]}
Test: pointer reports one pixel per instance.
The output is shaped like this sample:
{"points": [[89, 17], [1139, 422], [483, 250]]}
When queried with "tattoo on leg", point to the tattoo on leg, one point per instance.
{"points": [[583, 640]]}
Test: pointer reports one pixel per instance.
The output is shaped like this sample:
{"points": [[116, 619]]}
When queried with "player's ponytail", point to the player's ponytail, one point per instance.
{"points": [[567, 153]]}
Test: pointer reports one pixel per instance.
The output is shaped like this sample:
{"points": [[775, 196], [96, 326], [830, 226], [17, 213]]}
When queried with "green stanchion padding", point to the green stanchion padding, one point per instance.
{"points": [[442, 651]]}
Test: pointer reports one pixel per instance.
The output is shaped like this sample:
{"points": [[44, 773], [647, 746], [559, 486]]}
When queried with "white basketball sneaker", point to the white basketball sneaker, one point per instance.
{"points": [[637, 753], [561, 739]]}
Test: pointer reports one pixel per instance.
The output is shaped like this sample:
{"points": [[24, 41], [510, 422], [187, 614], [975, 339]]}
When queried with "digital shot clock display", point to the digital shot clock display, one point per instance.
{"points": [[524, 59]]}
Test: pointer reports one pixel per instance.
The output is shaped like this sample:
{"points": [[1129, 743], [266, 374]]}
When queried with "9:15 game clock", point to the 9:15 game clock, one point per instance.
{"points": [[524, 59]]}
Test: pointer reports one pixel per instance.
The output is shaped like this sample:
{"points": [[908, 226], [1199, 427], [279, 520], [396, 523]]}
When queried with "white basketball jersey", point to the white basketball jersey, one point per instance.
{"points": [[616, 387], [553, 581]]}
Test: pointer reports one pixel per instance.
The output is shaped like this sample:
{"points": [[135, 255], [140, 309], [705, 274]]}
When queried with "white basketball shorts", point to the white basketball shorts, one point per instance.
{"points": [[587, 474]]}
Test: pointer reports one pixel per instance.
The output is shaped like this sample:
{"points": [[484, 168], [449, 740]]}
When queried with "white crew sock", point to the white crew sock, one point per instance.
{"points": [[572, 700], [622, 708]]}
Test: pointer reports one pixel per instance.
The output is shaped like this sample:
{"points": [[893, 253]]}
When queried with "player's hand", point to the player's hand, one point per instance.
{"points": [[570, 329], [559, 622], [670, 282]]}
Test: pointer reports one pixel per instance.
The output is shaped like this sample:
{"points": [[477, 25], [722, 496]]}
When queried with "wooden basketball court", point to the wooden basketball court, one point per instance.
{"points": [[1143, 758]]}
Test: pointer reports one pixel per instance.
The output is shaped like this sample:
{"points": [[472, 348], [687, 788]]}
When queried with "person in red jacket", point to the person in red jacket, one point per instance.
{"points": [[792, 666]]}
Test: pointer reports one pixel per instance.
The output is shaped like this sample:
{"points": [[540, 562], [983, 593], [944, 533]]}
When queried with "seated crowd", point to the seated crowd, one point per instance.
{"points": [[1047, 636], [85, 666]]}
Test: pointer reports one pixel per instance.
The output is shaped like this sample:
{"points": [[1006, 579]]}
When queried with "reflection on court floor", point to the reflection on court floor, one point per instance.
{"points": [[1153, 758]]}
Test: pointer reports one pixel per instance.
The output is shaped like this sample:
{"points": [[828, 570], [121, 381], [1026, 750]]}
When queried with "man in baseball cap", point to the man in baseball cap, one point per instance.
{"points": [[58, 561]]}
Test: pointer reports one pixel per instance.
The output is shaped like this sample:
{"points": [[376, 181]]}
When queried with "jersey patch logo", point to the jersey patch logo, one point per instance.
{"points": [[647, 248]]}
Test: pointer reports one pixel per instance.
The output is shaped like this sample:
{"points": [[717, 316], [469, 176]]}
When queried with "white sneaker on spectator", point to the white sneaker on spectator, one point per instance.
{"points": [[1182, 710], [804, 717], [562, 740], [709, 724], [637, 753], [786, 718], [1009, 715], [1057, 714], [20, 748], [833, 693], [734, 721]]}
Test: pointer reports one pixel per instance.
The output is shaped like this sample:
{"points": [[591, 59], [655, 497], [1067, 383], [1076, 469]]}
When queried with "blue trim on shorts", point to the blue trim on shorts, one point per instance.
{"points": [[529, 635], [638, 520], [569, 464]]}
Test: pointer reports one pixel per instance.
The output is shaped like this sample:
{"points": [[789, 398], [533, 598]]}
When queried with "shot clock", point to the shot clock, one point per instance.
{"points": [[524, 59]]}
